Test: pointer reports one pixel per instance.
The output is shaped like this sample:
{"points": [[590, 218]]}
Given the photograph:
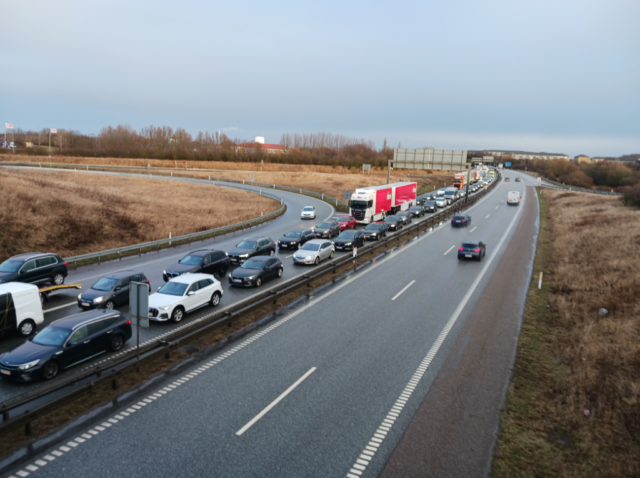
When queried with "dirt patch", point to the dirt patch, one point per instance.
{"points": [[77, 213], [573, 407]]}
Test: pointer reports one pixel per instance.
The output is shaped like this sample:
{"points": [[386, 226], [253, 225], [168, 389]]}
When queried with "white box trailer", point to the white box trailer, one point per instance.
{"points": [[374, 203]]}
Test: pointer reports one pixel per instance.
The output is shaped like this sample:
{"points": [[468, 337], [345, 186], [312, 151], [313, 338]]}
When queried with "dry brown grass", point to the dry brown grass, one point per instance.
{"points": [[323, 179], [76, 213], [571, 359]]}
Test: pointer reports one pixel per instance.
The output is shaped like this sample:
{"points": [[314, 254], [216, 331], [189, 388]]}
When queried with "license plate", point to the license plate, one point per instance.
{"points": [[85, 304], [283, 246], [468, 255], [237, 281], [338, 247], [5, 372], [150, 314], [234, 260]]}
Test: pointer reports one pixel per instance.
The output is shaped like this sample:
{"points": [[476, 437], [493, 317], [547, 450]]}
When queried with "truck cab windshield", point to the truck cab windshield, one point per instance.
{"points": [[361, 204]]}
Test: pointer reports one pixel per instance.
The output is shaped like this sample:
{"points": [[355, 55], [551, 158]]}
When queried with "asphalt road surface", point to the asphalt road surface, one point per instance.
{"points": [[327, 390], [152, 264]]}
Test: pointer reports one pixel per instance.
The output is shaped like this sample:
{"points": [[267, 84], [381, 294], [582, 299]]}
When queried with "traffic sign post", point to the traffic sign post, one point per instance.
{"points": [[139, 308]]}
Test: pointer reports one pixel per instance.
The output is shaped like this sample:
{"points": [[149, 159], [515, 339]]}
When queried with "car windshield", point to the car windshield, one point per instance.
{"points": [[459, 217], [373, 227], [403, 213], [323, 225], [292, 234], [173, 288], [390, 219], [469, 245], [311, 247], [415, 208], [340, 219], [308, 209], [106, 283], [429, 203], [51, 336], [247, 245], [191, 260], [449, 193], [252, 264], [10, 266], [347, 235]]}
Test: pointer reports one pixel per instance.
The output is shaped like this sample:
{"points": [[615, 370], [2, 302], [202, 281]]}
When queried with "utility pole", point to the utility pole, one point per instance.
{"points": [[389, 171], [466, 191]]}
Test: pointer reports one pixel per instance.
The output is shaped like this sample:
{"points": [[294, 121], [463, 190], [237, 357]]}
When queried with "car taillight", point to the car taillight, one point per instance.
{"points": [[64, 264], [148, 282], [128, 322], [464, 220], [461, 248], [477, 250]]}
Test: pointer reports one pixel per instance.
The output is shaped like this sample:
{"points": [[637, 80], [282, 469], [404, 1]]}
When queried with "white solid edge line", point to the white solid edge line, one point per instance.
{"points": [[405, 288], [448, 250], [275, 402], [433, 350], [60, 307]]}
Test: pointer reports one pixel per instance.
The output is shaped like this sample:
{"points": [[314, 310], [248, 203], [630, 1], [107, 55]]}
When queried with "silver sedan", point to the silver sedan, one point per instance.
{"points": [[314, 251]]}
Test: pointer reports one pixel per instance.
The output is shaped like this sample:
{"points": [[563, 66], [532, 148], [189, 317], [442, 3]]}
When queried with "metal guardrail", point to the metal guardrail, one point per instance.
{"points": [[556, 185], [125, 251], [109, 372], [322, 197]]}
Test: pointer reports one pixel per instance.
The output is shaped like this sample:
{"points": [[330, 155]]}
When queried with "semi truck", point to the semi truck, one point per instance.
{"points": [[374, 203], [475, 176], [459, 180]]}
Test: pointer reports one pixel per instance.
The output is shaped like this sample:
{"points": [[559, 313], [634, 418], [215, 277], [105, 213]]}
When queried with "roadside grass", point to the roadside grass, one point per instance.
{"points": [[573, 405], [75, 214], [322, 179]]}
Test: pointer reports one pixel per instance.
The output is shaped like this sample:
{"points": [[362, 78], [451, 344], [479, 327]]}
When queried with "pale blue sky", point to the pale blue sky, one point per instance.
{"points": [[557, 76]]}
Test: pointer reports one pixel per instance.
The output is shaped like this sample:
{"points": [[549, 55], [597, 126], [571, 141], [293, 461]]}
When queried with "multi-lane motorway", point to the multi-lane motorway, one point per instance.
{"points": [[328, 389]]}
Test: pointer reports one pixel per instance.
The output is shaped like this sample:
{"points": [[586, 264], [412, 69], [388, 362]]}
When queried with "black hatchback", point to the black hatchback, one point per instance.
{"points": [[256, 270], [394, 222], [430, 206], [375, 231], [35, 267], [110, 291], [472, 250], [349, 239], [416, 211], [461, 220], [206, 261], [64, 343], [251, 247]]}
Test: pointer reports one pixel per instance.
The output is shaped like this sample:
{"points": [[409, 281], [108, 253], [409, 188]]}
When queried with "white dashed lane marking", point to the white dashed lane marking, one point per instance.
{"points": [[476, 227], [405, 288], [448, 250], [487, 217], [60, 307]]}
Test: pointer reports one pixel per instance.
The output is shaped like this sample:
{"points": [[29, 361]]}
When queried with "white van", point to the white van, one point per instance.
{"points": [[513, 197], [20, 308]]}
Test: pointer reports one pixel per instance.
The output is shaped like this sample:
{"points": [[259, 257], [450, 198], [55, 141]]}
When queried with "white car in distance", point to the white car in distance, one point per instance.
{"points": [[308, 212], [184, 294]]}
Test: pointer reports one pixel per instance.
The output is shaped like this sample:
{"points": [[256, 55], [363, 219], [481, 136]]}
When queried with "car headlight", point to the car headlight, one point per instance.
{"points": [[164, 272], [309, 257], [251, 277], [243, 256], [27, 366], [229, 275], [97, 300], [79, 296], [166, 307], [293, 243], [373, 234], [348, 244]]}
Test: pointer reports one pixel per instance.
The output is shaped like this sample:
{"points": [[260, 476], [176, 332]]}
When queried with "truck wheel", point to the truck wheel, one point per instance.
{"points": [[27, 327]]}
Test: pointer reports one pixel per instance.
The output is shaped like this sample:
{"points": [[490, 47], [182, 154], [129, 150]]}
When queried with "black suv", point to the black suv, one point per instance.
{"points": [[110, 291], [207, 261], [66, 342], [252, 246], [35, 267], [296, 238]]}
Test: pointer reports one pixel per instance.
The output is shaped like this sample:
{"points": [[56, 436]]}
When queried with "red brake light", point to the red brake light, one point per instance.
{"points": [[461, 248], [464, 220], [128, 322], [477, 250], [148, 282], [64, 264]]}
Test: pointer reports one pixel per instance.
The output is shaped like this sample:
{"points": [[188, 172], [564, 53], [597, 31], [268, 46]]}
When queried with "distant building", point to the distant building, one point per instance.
{"points": [[582, 158], [259, 143], [597, 160]]}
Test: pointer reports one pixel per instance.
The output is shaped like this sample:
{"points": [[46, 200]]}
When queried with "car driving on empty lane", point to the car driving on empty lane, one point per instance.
{"points": [[256, 271], [182, 295], [207, 261], [308, 212], [471, 249], [313, 252], [460, 220]]}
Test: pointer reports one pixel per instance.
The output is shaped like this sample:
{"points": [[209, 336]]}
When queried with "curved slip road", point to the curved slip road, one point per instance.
{"points": [[314, 392]]}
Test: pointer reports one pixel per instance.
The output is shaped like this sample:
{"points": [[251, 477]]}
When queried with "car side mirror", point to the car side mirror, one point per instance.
{"points": [[191, 292], [118, 288]]}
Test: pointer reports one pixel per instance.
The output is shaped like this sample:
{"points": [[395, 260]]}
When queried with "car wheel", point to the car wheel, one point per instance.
{"points": [[109, 305], [50, 370], [280, 272], [215, 299], [177, 315], [331, 255], [27, 327], [272, 252], [317, 261], [58, 279], [116, 343], [258, 282]]}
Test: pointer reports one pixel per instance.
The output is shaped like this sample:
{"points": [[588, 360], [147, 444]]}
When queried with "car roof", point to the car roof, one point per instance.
{"points": [[255, 238], [31, 255], [307, 207], [189, 278], [262, 258], [473, 242], [300, 229], [74, 321], [121, 274], [317, 241], [202, 252]]}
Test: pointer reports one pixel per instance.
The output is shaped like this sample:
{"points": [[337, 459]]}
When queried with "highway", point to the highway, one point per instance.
{"points": [[152, 265], [328, 389]]}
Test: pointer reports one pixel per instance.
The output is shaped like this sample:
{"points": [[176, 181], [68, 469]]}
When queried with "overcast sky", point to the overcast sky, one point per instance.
{"points": [[544, 75]]}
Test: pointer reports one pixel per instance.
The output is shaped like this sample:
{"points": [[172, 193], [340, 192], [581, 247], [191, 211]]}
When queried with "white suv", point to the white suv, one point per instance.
{"points": [[184, 294], [308, 212]]}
